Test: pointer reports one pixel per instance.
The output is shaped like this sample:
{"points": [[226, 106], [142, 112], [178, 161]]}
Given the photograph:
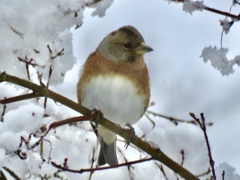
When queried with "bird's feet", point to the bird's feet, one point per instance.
{"points": [[132, 134], [97, 115]]}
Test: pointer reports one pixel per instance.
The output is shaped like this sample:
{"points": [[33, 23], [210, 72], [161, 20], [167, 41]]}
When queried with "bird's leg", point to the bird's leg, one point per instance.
{"points": [[132, 133], [97, 115]]}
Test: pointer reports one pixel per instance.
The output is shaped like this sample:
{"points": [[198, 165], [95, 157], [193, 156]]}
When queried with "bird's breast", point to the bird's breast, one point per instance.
{"points": [[117, 97]]}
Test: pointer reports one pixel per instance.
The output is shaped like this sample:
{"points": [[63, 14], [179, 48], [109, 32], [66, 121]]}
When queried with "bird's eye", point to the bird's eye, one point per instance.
{"points": [[127, 45]]}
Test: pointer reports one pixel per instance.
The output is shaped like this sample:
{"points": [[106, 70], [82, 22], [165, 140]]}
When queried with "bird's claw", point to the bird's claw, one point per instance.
{"points": [[97, 115], [132, 134]]}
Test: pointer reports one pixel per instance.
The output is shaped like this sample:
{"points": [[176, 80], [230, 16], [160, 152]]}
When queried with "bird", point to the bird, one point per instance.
{"points": [[114, 80]]}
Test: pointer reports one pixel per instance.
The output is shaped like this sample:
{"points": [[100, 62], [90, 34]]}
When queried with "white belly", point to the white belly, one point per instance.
{"points": [[116, 97]]}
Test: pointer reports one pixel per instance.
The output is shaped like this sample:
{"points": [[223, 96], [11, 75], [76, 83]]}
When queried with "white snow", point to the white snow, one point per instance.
{"points": [[226, 25], [190, 6], [218, 59]]}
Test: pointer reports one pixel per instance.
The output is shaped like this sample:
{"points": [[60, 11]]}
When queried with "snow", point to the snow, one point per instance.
{"points": [[190, 6], [226, 25], [229, 172], [28, 28], [180, 83], [218, 59]]}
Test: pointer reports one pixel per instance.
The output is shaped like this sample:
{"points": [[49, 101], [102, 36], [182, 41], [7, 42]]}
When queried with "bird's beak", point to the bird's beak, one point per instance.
{"points": [[143, 48]]}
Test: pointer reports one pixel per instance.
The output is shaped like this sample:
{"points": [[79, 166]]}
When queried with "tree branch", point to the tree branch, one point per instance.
{"points": [[19, 98], [65, 168], [153, 151], [237, 17], [202, 125], [174, 120]]}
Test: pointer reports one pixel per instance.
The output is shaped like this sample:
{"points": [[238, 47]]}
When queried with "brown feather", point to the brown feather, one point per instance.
{"points": [[98, 65]]}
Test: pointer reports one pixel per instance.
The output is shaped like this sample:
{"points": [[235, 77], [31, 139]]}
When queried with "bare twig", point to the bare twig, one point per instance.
{"points": [[237, 17], [236, 2], [129, 167], [176, 120], [2, 175], [223, 175], [61, 123], [183, 156], [3, 112], [204, 173], [100, 168], [11, 173], [17, 32], [92, 163], [22, 154], [19, 98], [222, 13], [231, 23], [52, 57], [60, 53], [29, 62], [148, 117], [202, 125], [162, 170], [49, 76], [172, 119]]}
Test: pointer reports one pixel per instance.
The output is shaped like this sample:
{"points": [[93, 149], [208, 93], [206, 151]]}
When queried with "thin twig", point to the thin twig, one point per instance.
{"points": [[161, 169], [61, 123], [17, 32], [92, 163], [237, 17], [177, 120], [52, 58], [19, 98], [49, 76], [22, 155], [202, 125], [222, 13], [60, 53], [29, 62], [183, 156], [12, 173], [223, 175], [204, 173], [172, 119], [3, 112], [151, 121], [100, 168], [221, 39]]}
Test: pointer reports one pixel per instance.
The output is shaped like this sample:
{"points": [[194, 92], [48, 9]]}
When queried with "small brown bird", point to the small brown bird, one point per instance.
{"points": [[115, 80]]}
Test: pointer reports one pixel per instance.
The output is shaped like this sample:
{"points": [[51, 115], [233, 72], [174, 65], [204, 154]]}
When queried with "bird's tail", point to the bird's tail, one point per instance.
{"points": [[107, 153]]}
